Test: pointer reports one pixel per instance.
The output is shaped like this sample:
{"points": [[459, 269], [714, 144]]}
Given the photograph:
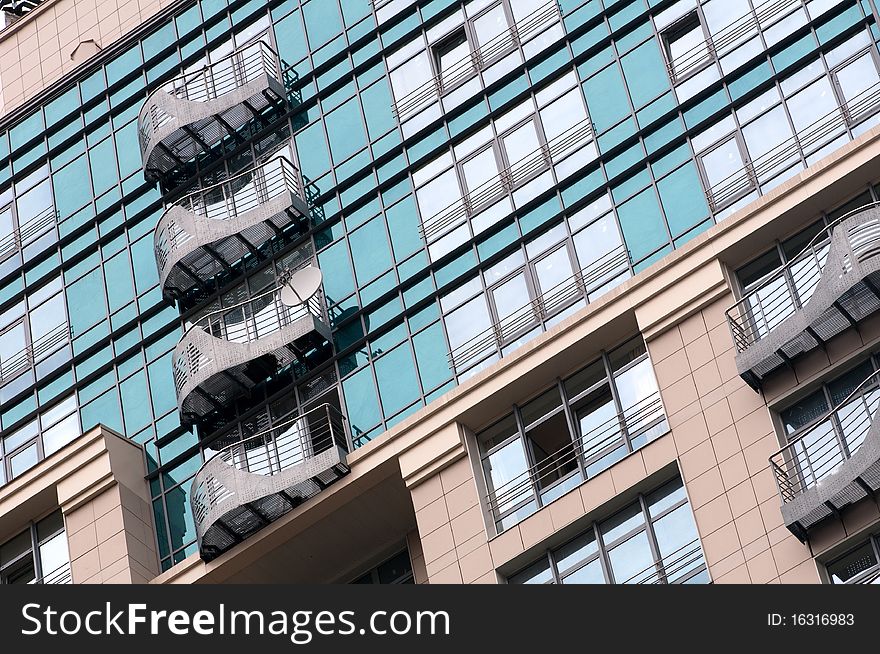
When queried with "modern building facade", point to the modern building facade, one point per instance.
{"points": [[496, 291]]}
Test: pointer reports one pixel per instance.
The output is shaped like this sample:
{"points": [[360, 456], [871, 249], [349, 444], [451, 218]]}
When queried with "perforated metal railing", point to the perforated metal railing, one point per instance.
{"points": [[488, 53], [679, 566], [816, 453], [787, 153], [726, 38], [245, 322], [212, 82], [28, 232], [784, 291], [224, 201], [252, 482], [581, 455], [521, 321], [34, 352], [508, 180]]}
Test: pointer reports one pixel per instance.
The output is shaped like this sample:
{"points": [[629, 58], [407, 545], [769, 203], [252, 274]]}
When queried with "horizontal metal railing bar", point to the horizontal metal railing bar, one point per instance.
{"points": [[28, 357], [204, 322], [526, 316], [725, 37], [332, 418], [268, 180], [19, 237], [790, 148], [668, 564], [468, 66], [263, 53], [507, 180], [641, 416], [741, 317], [212, 83], [286, 171], [788, 462], [60, 575]]}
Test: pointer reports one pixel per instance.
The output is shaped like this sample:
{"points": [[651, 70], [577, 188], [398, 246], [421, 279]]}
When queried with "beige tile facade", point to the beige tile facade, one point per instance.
{"points": [[39, 49], [98, 482]]}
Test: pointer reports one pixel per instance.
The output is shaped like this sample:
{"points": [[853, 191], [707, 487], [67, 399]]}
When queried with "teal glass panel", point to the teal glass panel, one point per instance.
{"points": [[683, 199], [607, 98], [642, 223], [86, 298], [361, 401], [314, 155], [431, 355], [403, 225], [398, 382], [72, 188], [338, 277], [323, 21], [645, 73], [370, 251], [135, 402]]}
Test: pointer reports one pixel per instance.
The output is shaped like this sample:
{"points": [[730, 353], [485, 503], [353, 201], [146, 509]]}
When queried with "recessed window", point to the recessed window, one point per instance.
{"points": [[449, 55], [858, 566], [685, 45], [653, 540]]}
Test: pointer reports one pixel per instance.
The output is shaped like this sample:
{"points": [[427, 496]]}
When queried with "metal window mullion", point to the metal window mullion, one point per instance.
{"points": [[573, 430], [652, 541], [603, 556], [618, 407], [530, 458]]}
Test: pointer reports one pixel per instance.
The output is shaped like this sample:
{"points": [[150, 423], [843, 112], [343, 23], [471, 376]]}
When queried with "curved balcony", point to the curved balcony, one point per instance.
{"points": [[227, 352], [252, 483], [831, 286], [209, 231], [833, 463], [192, 113]]}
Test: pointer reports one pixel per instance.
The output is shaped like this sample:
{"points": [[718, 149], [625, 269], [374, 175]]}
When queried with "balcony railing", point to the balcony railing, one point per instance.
{"points": [[229, 351], [519, 323], [195, 111], [28, 232], [488, 53], [800, 306], [572, 464], [36, 351], [785, 155], [728, 37], [250, 484], [833, 463], [209, 231], [508, 180], [61, 575], [681, 566]]}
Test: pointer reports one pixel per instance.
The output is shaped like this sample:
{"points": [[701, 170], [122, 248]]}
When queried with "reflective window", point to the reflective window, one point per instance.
{"points": [[396, 570], [38, 555], [858, 566], [653, 540], [531, 457]]}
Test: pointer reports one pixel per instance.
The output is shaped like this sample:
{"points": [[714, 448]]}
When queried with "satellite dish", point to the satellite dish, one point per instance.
{"points": [[301, 286]]}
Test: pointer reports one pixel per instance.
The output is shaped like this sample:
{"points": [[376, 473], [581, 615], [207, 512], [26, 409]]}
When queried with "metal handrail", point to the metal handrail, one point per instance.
{"points": [[477, 60], [329, 430], [508, 180], [810, 455], [206, 84], [752, 171], [754, 317], [268, 180], [581, 283], [727, 36], [269, 453], [59, 576], [28, 357], [684, 560], [19, 237], [590, 447], [866, 578]]}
